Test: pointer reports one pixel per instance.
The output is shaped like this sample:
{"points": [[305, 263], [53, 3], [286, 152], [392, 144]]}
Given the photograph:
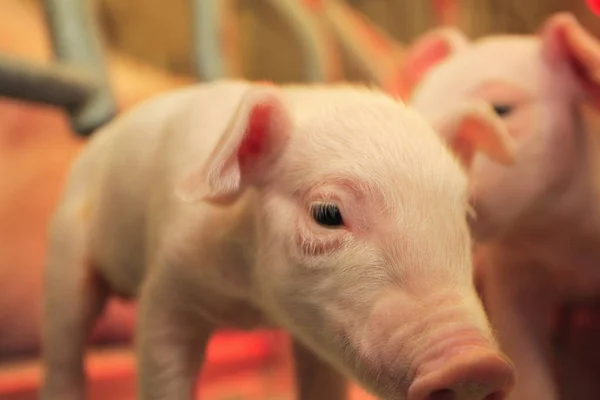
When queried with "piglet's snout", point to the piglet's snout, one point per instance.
{"points": [[472, 373]]}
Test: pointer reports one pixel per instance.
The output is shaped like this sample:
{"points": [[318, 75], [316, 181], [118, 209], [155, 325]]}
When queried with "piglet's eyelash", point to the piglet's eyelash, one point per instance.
{"points": [[327, 215], [321, 208], [311, 246]]}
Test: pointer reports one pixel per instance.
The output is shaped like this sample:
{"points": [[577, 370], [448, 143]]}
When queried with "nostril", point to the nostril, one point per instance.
{"points": [[449, 394], [474, 373], [444, 394], [495, 396]]}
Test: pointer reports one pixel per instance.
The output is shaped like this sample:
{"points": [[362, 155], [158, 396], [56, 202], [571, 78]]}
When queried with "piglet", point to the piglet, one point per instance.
{"points": [[333, 212], [538, 219]]}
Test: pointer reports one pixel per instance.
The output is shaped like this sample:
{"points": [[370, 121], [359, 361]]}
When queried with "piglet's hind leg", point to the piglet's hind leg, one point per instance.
{"points": [[74, 297]]}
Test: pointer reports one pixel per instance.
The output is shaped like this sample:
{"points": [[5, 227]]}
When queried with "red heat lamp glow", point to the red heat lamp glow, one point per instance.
{"points": [[594, 6]]}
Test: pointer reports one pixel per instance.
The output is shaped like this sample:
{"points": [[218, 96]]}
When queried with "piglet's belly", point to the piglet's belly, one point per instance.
{"points": [[122, 280], [119, 259]]}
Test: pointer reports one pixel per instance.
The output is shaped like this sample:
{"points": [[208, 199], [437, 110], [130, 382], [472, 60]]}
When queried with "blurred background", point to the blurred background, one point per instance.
{"points": [[151, 46]]}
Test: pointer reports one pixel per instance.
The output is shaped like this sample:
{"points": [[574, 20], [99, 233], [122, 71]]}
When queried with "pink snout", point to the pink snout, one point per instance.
{"points": [[473, 374]]}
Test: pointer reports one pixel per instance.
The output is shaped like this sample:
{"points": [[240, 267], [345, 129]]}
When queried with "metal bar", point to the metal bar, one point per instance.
{"points": [[55, 86], [208, 56], [75, 40], [374, 51], [210, 59], [306, 30]]}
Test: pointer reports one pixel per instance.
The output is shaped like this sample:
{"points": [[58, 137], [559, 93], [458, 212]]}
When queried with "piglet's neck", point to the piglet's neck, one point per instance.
{"points": [[239, 235], [225, 260], [577, 200], [570, 208]]}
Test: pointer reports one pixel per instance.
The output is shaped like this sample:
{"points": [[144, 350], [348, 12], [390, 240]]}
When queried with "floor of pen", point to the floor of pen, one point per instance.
{"points": [[270, 377], [263, 373]]}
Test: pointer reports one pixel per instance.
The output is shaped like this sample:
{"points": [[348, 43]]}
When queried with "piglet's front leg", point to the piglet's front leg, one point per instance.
{"points": [[520, 302], [172, 338], [316, 379]]}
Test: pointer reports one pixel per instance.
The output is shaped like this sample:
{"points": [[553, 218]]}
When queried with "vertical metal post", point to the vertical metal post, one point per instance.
{"points": [[209, 62], [75, 41], [306, 30], [210, 59]]}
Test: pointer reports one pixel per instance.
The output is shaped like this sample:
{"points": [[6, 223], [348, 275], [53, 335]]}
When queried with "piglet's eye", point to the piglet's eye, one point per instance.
{"points": [[503, 109], [327, 215]]}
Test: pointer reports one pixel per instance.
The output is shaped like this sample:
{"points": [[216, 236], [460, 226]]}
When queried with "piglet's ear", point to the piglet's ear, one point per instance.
{"points": [[475, 127], [246, 153], [565, 40], [429, 50]]}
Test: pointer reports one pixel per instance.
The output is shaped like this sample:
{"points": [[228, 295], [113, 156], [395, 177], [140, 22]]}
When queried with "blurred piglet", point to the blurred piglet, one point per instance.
{"points": [[538, 218], [331, 211], [36, 150]]}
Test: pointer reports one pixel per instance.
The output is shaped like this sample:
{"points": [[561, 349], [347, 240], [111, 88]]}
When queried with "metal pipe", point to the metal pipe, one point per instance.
{"points": [[306, 30], [61, 87], [75, 41], [353, 33], [208, 56], [211, 62]]}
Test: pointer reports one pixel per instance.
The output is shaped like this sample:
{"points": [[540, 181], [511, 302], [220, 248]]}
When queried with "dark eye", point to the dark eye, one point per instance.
{"points": [[503, 109], [327, 215]]}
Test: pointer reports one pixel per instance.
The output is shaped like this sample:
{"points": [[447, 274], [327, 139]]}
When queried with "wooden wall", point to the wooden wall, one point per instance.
{"points": [[158, 31], [481, 17]]}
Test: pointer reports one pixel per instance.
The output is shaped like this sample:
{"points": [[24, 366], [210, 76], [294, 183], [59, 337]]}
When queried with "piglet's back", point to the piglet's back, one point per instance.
{"points": [[175, 128], [126, 173]]}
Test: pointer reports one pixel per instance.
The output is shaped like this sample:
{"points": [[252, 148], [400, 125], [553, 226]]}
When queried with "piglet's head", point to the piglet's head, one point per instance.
{"points": [[532, 85], [361, 247]]}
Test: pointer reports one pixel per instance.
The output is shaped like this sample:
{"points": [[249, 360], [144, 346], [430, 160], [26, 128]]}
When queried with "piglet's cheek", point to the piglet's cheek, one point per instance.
{"points": [[309, 241], [313, 244], [311, 247], [524, 122], [524, 119]]}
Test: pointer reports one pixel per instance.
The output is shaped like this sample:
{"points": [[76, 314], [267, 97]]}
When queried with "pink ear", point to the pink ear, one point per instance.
{"points": [[565, 40], [429, 50], [446, 11], [245, 154], [475, 127]]}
